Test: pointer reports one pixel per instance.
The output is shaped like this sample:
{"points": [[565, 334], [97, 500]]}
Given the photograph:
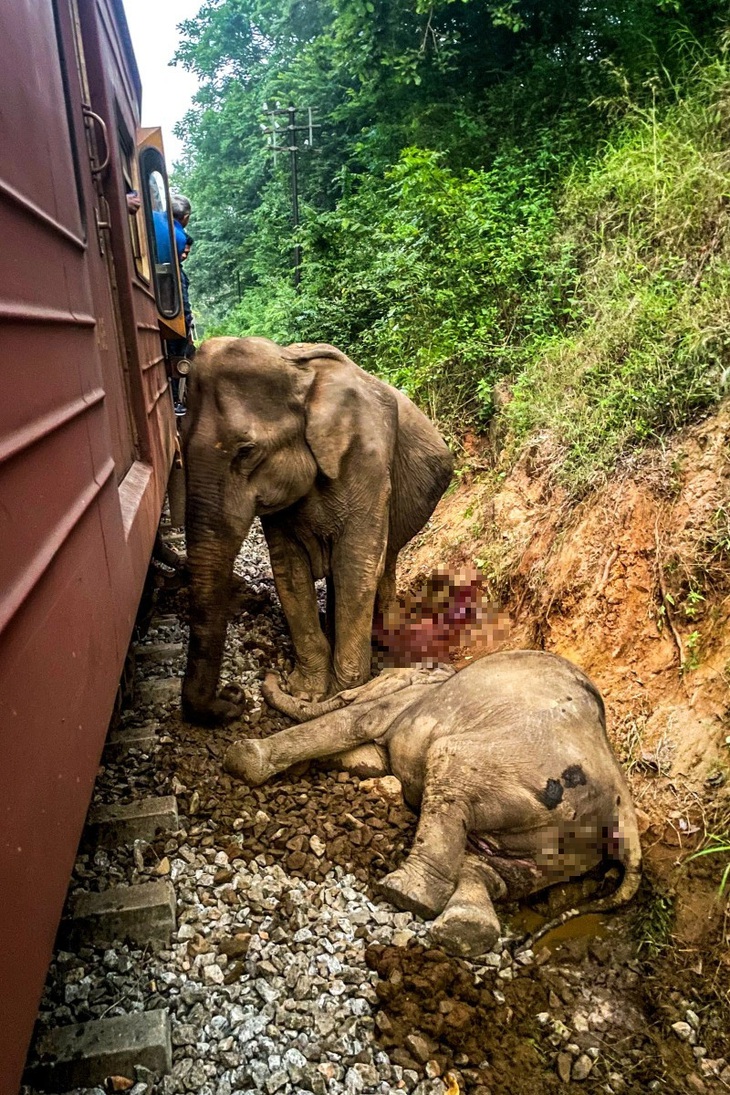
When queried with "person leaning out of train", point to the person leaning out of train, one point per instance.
{"points": [[181, 210], [183, 347], [185, 283]]}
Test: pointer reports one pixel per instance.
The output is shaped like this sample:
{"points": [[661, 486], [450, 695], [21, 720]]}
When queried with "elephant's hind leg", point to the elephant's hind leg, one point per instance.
{"points": [[468, 926], [428, 878]]}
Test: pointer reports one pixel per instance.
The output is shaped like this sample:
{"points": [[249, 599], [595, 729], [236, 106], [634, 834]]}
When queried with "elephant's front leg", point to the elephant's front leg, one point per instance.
{"points": [[211, 565], [312, 676], [358, 559], [256, 761]]}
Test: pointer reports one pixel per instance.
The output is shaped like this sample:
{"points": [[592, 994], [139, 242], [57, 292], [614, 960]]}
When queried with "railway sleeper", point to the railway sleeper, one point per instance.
{"points": [[109, 826], [86, 1054], [143, 914], [120, 741]]}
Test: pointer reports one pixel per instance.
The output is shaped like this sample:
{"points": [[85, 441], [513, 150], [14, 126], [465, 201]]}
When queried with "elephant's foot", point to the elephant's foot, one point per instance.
{"points": [[249, 760], [466, 930], [418, 889], [207, 712], [310, 686]]}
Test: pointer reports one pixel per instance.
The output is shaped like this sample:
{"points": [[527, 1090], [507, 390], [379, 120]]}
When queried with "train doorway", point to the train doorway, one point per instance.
{"points": [[100, 131]]}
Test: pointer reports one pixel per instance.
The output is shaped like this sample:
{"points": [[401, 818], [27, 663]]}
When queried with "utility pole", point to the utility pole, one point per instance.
{"points": [[276, 134]]}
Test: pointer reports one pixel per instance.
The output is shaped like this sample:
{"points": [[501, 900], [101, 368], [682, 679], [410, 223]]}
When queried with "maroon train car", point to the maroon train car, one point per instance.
{"points": [[87, 437]]}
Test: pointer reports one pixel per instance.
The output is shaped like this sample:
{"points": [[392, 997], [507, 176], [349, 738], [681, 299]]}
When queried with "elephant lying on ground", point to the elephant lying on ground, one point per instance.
{"points": [[509, 763], [342, 469]]}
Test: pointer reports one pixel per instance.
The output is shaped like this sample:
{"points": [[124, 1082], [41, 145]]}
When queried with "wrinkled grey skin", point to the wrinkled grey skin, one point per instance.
{"points": [[509, 764], [342, 469]]}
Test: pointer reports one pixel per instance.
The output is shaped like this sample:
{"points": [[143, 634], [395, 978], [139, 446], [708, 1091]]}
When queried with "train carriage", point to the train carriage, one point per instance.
{"points": [[87, 438]]}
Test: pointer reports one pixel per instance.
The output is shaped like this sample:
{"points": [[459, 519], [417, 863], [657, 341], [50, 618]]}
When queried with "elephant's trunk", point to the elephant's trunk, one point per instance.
{"points": [[212, 545]]}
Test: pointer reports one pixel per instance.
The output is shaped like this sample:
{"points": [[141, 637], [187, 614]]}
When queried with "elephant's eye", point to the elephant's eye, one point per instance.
{"points": [[243, 451]]}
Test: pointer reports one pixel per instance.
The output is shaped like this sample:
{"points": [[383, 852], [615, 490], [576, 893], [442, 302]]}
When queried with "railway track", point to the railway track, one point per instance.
{"points": [[228, 939]]}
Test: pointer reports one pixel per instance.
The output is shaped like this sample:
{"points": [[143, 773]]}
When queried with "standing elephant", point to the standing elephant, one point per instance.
{"points": [[510, 766], [342, 469]]}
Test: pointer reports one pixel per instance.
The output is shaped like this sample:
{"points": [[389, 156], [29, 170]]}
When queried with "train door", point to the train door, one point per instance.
{"points": [[110, 336]]}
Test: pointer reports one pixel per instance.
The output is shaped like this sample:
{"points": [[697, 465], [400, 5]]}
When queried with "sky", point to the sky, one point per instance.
{"points": [[166, 92]]}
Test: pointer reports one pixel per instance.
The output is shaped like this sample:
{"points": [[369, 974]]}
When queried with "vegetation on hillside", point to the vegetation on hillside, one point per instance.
{"points": [[511, 191]]}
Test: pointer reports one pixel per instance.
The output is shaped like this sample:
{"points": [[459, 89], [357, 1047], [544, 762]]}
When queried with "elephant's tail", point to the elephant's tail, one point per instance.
{"points": [[628, 855]]}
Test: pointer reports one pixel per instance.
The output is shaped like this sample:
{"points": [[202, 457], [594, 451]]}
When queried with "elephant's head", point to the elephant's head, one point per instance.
{"points": [[262, 424]]}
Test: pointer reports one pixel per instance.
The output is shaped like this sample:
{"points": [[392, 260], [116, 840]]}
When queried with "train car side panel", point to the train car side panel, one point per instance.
{"points": [[86, 440]]}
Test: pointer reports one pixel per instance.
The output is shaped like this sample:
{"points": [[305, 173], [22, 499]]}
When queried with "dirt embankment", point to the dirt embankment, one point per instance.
{"points": [[633, 584]]}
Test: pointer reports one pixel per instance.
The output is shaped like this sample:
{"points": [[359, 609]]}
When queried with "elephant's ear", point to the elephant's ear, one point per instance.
{"points": [[344, 408], [332, 413]]}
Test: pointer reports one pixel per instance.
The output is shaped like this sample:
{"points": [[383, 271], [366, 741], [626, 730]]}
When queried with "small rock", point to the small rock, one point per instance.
{"points": [[119, 1083], [236, 946], [383, 1023], [565, 1063], [582, 1067], [420, 1047], [184, 1034], [712, 1068], [275, 1081], [213, 974], [682, 1030]]}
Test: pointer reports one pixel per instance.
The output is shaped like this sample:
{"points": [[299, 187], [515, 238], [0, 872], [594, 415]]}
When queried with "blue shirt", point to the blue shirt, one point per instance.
{"points": [[162, 236]]}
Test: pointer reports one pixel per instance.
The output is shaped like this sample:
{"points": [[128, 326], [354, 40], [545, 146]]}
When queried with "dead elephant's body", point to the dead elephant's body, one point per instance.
{"points": [[509, 764]]}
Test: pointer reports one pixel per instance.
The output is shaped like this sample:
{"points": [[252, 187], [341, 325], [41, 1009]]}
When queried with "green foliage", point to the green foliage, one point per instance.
{"points": [[436, 287], [654, 918], [717, 844], [531, 193]]}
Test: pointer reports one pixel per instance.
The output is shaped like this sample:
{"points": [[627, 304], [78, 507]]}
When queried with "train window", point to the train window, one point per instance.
{"points": [[130, 173], [160, 232]]}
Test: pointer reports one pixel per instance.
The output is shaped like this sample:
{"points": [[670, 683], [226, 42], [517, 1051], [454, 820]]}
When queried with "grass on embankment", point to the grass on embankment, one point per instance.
{"points": [[649, 344]]}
